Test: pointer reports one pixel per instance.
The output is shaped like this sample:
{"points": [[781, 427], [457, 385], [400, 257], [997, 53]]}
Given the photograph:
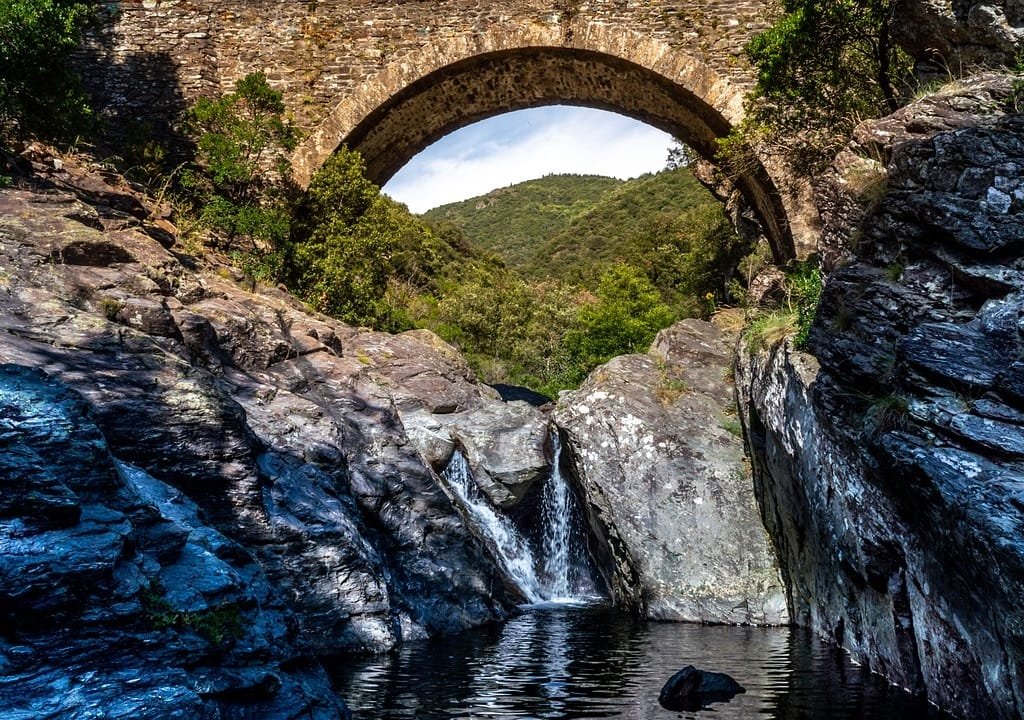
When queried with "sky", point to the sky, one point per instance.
{"points": [[524, 145]]}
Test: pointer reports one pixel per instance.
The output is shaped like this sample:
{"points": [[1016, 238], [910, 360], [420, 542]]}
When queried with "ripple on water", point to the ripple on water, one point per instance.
{"points": [[570, 662]]}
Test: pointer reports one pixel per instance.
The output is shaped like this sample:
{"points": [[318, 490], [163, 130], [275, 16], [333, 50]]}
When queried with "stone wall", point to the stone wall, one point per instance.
{"points": [[323, 51]]}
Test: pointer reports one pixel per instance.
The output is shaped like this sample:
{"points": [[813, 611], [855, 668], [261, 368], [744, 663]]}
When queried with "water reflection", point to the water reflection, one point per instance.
{"points": [[570, 663]]}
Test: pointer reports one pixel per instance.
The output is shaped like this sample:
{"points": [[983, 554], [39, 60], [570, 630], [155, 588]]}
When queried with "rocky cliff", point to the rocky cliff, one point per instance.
{"points": [[890, 459], [210, 480]]}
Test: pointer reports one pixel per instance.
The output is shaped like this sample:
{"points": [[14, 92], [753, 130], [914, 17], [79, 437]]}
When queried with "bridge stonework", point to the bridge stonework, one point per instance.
{"points": [[388, 77]]}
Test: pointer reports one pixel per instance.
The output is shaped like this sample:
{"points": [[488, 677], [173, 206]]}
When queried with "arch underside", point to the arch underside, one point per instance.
{"points": [[493, 83]]}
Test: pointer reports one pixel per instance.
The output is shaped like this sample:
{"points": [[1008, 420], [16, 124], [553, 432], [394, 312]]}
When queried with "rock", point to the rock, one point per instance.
{"points": [[264, 478], [889, 464], [441, 409], [505, 446], [956, 36], [662, 469], [132, 608], [691, 689]]}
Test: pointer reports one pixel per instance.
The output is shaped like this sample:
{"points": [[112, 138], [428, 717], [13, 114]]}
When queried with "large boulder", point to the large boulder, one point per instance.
{"points": [[277, 424], [656, 446], [959, 35], [442, 409], [889, 461]]}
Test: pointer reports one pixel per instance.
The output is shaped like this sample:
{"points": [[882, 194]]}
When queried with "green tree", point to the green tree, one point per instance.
{"points": [[624, 318], [823, 67], [240, 182], [39, 92], [353, 250]]}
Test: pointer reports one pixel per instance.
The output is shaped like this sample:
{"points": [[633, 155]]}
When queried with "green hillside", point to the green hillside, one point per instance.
{"points": [[513, 222], [620, 225], [572, 227]]}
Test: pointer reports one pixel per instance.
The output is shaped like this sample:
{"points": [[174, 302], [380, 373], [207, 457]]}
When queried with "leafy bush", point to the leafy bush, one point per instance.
{"points": [[364, 258], [624, 318], [240, 182], [39, 93], [796, 315], [823, 67]]}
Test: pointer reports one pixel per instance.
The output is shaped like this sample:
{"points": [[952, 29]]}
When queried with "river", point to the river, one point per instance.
{"points": [[563, 661]]}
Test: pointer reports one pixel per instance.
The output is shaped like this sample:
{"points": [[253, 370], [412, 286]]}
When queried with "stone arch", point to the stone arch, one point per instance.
{"points": [[418, 99]]}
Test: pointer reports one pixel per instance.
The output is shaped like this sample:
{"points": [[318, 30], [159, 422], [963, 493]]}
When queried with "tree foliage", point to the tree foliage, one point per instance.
{"points": [[40, 94], [623, 318], [240, 182], [823, 67]]}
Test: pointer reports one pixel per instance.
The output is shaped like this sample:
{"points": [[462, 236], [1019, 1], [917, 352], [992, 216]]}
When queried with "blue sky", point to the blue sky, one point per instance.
{"points": [[528, 144]]}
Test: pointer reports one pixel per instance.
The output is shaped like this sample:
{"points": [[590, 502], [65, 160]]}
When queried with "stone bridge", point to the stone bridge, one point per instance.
{"points": [[389, 77]]}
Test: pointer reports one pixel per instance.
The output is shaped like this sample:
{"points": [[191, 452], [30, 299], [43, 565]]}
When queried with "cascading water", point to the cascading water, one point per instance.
{"points": [[511, 548], [563, 576], [563, 552]]}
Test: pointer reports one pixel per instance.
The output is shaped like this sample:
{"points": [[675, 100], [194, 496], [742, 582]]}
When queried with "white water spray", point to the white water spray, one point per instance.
{"points": [[562, 575], [557, 516], [511, 548]]}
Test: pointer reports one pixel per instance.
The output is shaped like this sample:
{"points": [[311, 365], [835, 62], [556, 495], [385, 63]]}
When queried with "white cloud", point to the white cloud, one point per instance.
{"points": [[524, 145]]}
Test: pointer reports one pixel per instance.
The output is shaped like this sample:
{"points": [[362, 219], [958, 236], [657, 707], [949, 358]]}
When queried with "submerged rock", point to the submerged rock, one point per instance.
{"points": [[656, 447], [691, 689]]}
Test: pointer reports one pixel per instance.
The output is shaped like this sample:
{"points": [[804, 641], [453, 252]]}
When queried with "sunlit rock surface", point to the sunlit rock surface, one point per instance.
{"points": [[656, 446], [891, 466], [282, 430]]}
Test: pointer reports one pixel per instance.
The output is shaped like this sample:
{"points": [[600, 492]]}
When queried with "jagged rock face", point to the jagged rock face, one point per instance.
{"points": [[956, 35], [891, 474], [666, 482], [117, 600], [282, 427]]}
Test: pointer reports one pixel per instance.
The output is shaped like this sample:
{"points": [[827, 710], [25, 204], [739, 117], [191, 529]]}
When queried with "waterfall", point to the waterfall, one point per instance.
{"points": [[558, 516], [563, 574], [511, 548]]}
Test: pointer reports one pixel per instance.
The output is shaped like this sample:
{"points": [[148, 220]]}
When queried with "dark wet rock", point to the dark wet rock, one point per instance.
{"points": [[134, 608], [265, 484], [661, 465], [691, 689], [889, 463], [510, 393]]}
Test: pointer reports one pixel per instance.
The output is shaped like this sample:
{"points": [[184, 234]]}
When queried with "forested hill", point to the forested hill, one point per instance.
{"points": [[570, 226], [513, 222]]}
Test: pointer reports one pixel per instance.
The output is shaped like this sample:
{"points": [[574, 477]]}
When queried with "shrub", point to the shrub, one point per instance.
{"points": [[40, 95], [823, 67], [240, 182]]}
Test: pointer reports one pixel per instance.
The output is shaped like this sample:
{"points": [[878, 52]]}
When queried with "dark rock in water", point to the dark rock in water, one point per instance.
{"points": [[510, 393], [692, 689]]}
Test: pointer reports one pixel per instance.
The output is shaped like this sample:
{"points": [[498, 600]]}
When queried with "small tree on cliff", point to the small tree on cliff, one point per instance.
{"points": [[240, 182], [823, 67], [40, 94]]}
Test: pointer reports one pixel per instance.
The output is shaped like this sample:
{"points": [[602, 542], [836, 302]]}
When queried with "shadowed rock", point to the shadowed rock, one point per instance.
{"points": [[692, 689]]}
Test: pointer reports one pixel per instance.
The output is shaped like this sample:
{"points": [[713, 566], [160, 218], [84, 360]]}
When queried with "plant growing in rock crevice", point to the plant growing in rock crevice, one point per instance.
{"points": [[796, 314], [220, 625], [889, 412]]}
